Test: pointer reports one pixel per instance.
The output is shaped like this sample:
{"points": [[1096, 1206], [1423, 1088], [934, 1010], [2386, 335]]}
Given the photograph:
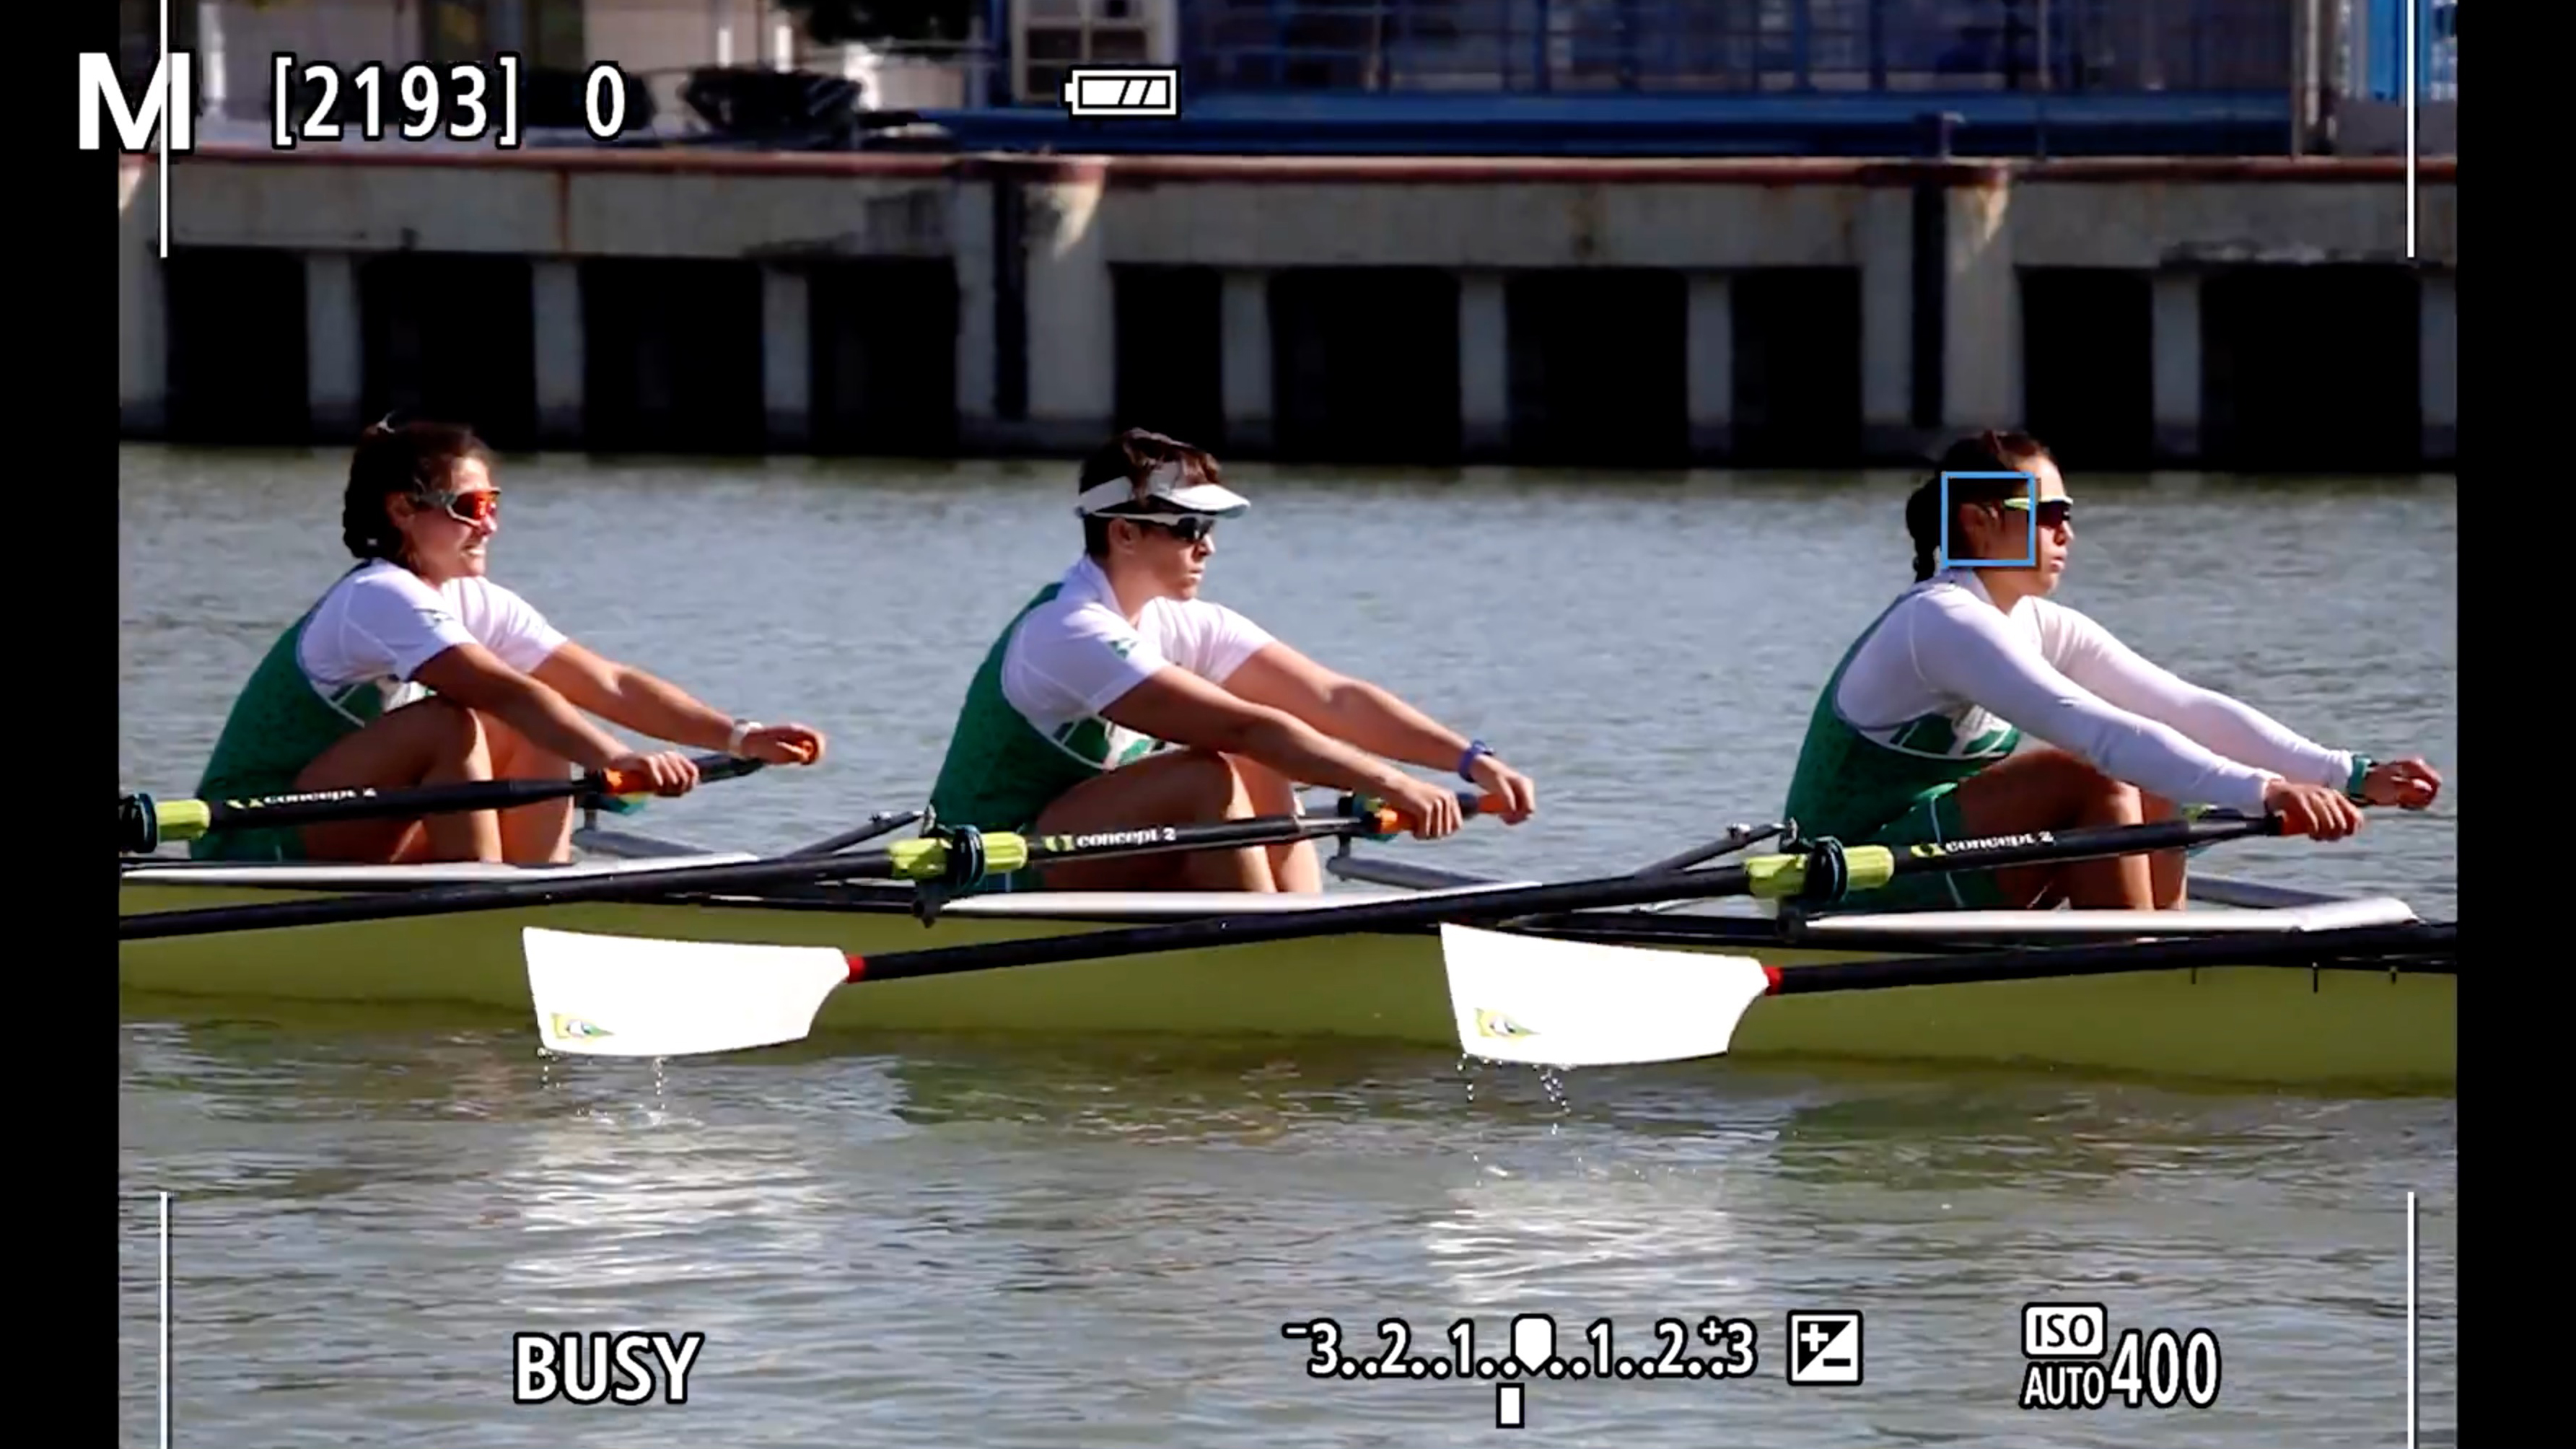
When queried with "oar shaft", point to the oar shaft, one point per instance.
{"points": [[2355, 947], [1776, 876], [1216, 835], [927, 858], [177, 820]]}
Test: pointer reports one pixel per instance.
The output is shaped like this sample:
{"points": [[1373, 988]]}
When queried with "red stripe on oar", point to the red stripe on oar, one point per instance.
{"points": [[1772, 975], [858, 964]]}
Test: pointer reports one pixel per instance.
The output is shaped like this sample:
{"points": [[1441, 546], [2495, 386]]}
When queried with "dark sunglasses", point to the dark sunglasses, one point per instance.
{"points": [[473, 506], [1189, 528], [2053, 512]]}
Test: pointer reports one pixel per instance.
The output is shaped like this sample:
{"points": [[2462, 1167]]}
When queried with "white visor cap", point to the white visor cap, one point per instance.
{"points": [[1164, 498]]}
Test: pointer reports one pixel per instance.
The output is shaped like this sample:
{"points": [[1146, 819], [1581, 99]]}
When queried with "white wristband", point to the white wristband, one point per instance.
{"points": [[741, 728]]}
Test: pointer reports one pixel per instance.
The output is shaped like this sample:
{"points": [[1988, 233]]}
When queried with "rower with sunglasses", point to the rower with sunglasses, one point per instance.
{"points": [[1914, 738], [416, 669], [1120, 698]]}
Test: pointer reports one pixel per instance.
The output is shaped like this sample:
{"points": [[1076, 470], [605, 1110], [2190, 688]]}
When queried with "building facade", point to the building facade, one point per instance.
{"points": [[1584, 296]]}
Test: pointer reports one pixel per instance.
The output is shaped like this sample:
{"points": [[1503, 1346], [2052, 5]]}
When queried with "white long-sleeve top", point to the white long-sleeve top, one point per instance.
{"points": [[1945, 650]]}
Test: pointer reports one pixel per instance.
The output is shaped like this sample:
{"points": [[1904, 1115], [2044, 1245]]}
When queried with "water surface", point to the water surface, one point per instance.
{"points": [[1097, 1243]]}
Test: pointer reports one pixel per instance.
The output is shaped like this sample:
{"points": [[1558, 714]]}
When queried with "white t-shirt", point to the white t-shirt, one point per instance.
{"points": [[1075, 655], [1944, 649], [381, 622]]}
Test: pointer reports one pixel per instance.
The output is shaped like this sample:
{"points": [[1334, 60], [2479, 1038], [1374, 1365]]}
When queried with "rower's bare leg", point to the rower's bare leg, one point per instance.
{"points": [[2165, 868], [428, 742], [1190, 787], [1294, 866], [539, 834], [2048, 789]]}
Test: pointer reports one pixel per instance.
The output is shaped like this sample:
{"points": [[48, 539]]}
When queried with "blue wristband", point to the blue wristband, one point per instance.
{"points": [[2361, 768], [1467, 761]]}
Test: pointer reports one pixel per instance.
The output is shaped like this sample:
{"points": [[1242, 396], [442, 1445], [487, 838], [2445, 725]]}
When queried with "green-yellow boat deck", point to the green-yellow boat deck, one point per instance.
{"points": [[2347, 1030]]}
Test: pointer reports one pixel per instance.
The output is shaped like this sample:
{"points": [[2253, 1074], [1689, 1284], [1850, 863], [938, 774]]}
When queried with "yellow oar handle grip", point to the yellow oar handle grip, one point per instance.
{"points": [[947, 860], [927, 857], [183, 819], [178, 820], [1779, 877], [143, 822]]}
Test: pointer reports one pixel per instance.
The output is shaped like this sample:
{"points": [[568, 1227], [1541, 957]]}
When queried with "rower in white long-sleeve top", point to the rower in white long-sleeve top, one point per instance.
{"points": [[1915, 737]]}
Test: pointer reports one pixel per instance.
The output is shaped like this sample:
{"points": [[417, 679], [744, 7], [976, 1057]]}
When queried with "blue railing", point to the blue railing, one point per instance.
{"points": [[1708, 47], [1733, 77]]}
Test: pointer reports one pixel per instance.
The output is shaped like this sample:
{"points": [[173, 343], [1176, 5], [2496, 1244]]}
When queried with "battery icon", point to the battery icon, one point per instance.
{"points": [[1150, 90]]}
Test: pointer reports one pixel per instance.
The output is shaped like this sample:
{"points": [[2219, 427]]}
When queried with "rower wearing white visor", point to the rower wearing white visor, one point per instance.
{"points": [[1118, 697], [1914, 738]]}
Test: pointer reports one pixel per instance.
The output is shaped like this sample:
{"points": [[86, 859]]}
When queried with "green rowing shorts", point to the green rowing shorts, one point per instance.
{"points": [[256, 843], [1933, 819]]}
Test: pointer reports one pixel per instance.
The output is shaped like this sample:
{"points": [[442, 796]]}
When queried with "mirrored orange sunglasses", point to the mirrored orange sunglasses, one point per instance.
{"points": [[473, 506]]}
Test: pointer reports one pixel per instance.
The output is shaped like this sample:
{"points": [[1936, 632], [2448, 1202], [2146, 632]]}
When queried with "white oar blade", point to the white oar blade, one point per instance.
{"points": [[1574, 1004], [629, 996]]}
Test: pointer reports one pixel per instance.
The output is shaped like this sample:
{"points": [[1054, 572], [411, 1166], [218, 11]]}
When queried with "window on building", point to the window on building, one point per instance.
{"points": [[1056, 35]]}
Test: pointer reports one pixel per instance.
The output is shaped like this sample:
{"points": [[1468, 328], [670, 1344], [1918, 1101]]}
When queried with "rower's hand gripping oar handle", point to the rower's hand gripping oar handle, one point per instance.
{"points": [[143, 823], [625, 791], [1392, 822], [946, 862]]}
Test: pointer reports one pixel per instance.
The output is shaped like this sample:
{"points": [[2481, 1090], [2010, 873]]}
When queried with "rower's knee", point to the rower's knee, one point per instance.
{"points": [[1213, 785], [2123, 802], [2101, 798], [1265, 790], [455, 735], [467, 736], [514, 755], [2113, 802]]}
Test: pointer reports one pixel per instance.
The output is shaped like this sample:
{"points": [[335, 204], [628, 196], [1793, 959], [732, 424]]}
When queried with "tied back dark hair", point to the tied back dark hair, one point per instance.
{"points": [[1992, 451], [414, 460], [1134, 455]]}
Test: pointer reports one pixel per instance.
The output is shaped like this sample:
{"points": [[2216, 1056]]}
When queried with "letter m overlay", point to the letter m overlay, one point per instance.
{"points": [[169, 100]]}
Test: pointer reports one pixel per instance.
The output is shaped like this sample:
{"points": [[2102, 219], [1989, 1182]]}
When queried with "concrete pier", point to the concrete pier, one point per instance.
{"points": [[1711, 364], [1484, 367], [786, 358], [1072, 382], [1654, 312], [2175, 361], [977, 368], [1244, 361], [554, 298], [142, 308], [1981, 333], [2439, 381], [1886, 322], [334, 347]]}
